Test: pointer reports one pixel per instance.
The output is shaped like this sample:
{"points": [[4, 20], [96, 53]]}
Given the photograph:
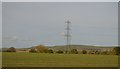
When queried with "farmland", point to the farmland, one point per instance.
{"points": [[22, 59]]}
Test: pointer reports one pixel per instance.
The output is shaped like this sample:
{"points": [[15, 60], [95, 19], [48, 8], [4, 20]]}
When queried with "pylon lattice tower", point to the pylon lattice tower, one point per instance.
{"points": [[68, 35]]}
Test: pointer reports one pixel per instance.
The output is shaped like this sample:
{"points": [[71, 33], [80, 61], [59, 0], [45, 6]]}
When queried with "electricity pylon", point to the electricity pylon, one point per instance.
{"points": [[68, 36]]}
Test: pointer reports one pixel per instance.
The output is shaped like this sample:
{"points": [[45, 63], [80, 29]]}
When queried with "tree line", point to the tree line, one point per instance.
{"points": [[43, 49]]}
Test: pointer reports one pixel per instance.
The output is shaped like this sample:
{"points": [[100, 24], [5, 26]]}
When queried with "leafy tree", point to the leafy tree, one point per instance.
{"points": [[59, 51], [91, 52], [104, 52], [50, 51], [84, 52], [11, 49], [116, 50], [74, 51], [41, 49], [33, 50], [97, 52]]}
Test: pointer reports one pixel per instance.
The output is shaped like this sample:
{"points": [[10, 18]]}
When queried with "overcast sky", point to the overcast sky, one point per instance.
{"points": [[29, 24]]}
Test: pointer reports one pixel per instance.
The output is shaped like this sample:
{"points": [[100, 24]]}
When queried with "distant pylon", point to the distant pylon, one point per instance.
{"points": [[68, 35]]}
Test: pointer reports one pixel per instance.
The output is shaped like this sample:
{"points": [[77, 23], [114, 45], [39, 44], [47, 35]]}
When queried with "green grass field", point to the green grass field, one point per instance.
{"points": [[58, 60]]}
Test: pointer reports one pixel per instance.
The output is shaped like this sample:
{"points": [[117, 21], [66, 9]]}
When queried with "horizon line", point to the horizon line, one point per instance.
{"points": [[71, 44]]}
